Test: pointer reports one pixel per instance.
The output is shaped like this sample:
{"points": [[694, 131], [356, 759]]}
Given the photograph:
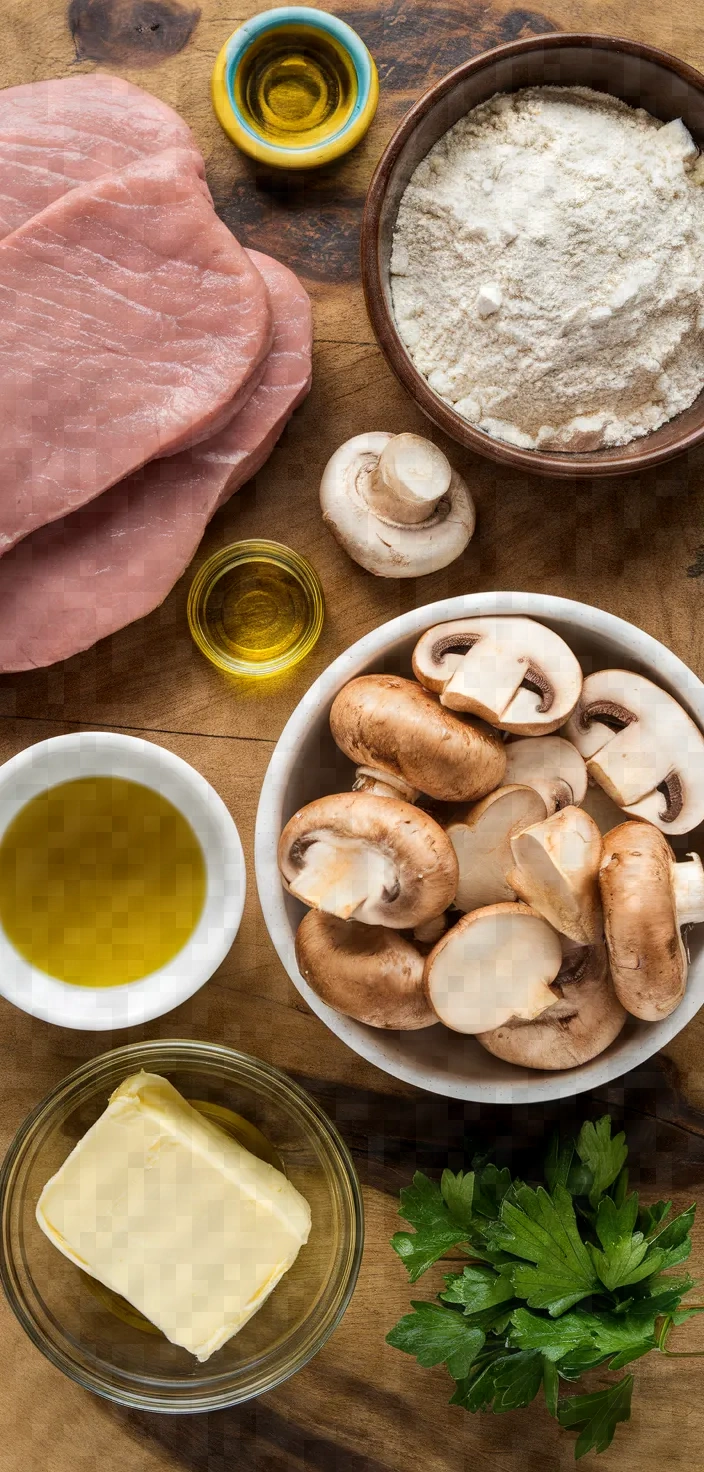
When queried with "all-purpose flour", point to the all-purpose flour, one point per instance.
{"points": [[548, 269]]}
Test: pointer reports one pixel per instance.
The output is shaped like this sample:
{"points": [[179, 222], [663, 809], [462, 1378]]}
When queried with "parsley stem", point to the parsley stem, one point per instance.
{"points": [[677, 1354]]}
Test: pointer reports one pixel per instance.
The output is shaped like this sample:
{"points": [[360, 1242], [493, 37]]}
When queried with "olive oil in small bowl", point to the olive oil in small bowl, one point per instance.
{"points": [[295, 87], [256, 608]]}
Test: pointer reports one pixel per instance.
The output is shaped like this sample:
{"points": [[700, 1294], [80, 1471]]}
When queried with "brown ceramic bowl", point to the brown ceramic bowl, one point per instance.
{"points": [[640, 75]]}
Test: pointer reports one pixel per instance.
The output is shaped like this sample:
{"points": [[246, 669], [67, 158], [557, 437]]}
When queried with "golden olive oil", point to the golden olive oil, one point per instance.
{"points": [[246, 1134], [102, 881], [296, 86], [257, 611]]}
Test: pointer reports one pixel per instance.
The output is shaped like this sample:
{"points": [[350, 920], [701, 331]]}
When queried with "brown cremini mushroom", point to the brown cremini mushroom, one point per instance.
{"points": [[552, 766], [396, 505], [367, 972], [481, 838], [555, 869], [584, 1019], [374, 859], [495, 964], [642, 748], [403, 742], [646, 897], [512, 672]]}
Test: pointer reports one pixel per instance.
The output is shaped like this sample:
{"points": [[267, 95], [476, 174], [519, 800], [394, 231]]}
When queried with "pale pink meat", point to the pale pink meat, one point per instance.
{"points": [[81, 578], [70, 130], [130, 319]]}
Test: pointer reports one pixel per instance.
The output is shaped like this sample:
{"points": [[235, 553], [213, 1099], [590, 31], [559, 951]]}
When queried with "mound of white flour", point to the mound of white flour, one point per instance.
{"points": [[548, 269]]}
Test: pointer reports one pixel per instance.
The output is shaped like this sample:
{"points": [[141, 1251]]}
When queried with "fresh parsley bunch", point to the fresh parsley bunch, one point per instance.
{"points": [[562, 1281]]}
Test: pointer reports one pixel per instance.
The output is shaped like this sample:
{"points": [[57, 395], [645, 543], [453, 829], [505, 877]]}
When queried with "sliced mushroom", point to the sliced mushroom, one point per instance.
{"points": [[642, 748], [514, 673], [496, 963], [646, 897], [481, 839], [396, 505], [601, 808], [367, 972], [374, 859], [552, 766], [555, 869], [585, 1018], [404, 742]]}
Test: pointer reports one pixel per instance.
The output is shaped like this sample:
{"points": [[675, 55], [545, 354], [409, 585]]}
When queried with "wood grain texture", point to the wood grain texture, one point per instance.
{"points": [[624, 545]]}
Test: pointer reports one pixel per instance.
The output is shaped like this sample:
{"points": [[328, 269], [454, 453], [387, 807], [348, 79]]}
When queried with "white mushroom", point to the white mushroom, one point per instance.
{"points": [[495, 964], [555, 868], [396, 505], [481, 839], [642, 748], [552, 766], [647, 896], [584, 1019], [514, 673], [367, 972], [404, 742], [601, 807], [374, 859]]}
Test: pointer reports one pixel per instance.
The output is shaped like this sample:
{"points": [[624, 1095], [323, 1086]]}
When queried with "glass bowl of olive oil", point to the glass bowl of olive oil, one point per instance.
{"points": [[295, 87], [256, 608], [95, 1336]]}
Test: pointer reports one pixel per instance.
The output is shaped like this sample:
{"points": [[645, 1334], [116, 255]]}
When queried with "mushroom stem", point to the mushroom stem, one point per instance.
{"points": [[340, 876], [688, 882], [409, 479], [384, 784]]}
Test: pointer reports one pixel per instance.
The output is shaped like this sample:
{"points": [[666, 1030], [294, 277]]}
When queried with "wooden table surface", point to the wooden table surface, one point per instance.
{"points": [[628, 545]]}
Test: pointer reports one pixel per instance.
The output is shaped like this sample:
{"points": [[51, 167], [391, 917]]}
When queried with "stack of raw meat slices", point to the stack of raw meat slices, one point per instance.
{"points": [[148, 363]]}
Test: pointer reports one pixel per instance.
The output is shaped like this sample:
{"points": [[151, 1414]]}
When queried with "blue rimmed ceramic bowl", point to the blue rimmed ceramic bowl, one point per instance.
{"points": [[295, 87]]}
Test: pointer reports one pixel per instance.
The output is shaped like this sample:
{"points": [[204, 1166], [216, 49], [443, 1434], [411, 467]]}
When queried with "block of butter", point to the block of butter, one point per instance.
{"points": [[164, 1207]]}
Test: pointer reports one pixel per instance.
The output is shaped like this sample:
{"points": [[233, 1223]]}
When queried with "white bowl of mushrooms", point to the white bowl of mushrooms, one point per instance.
{"points": [[474, 847]]}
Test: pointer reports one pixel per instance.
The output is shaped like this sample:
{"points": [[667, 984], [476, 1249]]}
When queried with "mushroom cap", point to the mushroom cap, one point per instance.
{"points": [[512, 672], [583, 1021], [481, 839], [367, 972], [496, 963], [555, 869], [374, 859], [388, 548], [646, 955], [642, 748], [552, 766], [395, 726]]}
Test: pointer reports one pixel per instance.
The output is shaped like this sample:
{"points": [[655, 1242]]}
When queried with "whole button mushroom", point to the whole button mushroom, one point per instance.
{"points": [[646, 897], [396, 505], [368, 972], [512, 672], [403, 742], [552, 766], [497, 963], [555, 869], [642, 748], [481, 838], [584, 1019], [376, 859]]}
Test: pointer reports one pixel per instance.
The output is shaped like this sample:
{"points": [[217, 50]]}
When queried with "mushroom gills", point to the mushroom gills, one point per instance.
{"points": [[343, 875], [481, 839], [515, 673], [496, 963], [552, 766], [556, 866], [642, 748]]}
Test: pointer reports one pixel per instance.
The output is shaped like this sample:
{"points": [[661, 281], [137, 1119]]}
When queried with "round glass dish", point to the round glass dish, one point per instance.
{"points": [[67, 1314], [256, 608]]}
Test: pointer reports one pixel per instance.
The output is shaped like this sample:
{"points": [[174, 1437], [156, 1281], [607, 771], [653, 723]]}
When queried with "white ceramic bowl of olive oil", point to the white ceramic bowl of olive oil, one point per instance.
{"points": [[122, 880]]}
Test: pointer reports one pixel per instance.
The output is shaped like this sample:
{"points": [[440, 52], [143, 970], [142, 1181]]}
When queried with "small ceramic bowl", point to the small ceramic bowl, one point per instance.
{"points": [[107, 754], [640, 75], [326, 142], [93, 1336], [306, 763]]}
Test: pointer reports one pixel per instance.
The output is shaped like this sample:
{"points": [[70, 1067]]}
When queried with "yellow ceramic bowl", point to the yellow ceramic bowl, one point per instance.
{"points": [[327, 134]]}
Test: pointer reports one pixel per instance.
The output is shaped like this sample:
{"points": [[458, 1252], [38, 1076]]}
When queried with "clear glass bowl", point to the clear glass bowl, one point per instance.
{"points": [[256, 608], [94, 1338]]}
